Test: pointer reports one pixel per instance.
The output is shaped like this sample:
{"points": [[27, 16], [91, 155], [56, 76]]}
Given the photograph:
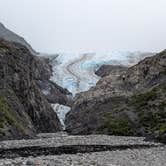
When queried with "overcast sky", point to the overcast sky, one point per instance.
{"points": [[88, 25]]}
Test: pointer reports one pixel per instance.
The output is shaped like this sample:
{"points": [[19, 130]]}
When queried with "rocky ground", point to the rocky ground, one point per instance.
{"points": [[99, 150], [132, 103]]}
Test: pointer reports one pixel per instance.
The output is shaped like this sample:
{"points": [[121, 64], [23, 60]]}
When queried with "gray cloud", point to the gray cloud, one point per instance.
{"points": [[88, 25]]}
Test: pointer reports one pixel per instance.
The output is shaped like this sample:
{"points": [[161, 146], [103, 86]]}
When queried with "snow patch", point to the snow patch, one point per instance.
{"points": [[61, 111]]}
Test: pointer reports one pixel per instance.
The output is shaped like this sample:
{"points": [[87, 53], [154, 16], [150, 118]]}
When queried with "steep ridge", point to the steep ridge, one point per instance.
{"points": [[11, 36], [24, 108], [130, 104], [53, 93]]}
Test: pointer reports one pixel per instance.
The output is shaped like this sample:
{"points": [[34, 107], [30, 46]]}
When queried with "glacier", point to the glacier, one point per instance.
{"points": [[76, 72]]}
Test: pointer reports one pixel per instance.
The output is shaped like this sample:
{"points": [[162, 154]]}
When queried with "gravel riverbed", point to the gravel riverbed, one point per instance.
{"points": [[152, 155]]}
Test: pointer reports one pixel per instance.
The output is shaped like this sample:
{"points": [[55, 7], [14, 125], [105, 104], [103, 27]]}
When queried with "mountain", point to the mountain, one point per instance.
{"points": [[24, 109], [133, 103], [53, 92], [11, 36], [26, 91]]}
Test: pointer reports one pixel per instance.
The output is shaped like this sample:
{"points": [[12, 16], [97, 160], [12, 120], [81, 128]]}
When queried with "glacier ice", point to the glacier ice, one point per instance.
{"points": [[75, 72]]}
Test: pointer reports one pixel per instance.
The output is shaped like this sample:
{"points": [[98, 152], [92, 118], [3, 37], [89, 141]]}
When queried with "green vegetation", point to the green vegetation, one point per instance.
{"points": [[7, 116], [3, 48], [154, 121], [142, 100], [149, 109], [116, 126], [162, 129], [163, 86], [152, 116]]}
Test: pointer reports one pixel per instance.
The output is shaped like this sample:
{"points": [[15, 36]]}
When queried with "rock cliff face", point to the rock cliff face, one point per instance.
{"points": [[106, 70], [24, 109], [133, 103], [53, 92]]}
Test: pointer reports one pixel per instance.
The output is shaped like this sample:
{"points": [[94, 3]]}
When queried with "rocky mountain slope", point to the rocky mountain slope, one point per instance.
{"points": [[53, 92], [133, 103], [106, 70], [11, 36], [26, 89], [24, 108]]}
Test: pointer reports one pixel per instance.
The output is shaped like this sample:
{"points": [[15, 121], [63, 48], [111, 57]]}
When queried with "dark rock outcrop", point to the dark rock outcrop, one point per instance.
{"points": [[23, 107], [133, 103], [106, 70], [53, 92]]}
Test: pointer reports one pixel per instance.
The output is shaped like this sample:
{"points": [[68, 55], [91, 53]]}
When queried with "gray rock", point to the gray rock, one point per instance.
{"points": [[124, 105], [28, 109], [154, 155], [30, 162], [106, 70]]}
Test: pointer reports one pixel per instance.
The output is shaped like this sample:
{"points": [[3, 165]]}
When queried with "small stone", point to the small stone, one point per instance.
{"points": [[7, 163], [30, 162], [37, 163]]}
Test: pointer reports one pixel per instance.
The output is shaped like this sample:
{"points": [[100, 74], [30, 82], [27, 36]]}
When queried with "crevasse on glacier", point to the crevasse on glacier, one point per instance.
{"points": [[76, 71]]}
